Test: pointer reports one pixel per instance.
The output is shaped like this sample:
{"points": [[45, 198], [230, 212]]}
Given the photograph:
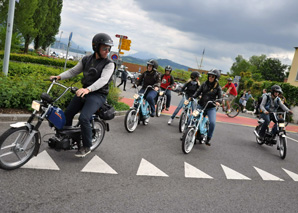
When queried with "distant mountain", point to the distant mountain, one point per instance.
{"points": [[143, 55], [161, 62], [63, 45]]}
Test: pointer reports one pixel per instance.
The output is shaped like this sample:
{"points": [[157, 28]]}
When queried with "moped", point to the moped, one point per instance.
{"points": [[140, 111], [197, 129], [23, 139], [161, 102], [270, 139]]}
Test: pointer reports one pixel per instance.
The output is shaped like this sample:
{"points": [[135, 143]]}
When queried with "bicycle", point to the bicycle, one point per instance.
{"points": [[234, 107], [161, 102]]}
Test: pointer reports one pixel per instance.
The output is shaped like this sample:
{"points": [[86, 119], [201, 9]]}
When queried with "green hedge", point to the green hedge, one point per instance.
{"points": [[25, 82], [39, 60]]}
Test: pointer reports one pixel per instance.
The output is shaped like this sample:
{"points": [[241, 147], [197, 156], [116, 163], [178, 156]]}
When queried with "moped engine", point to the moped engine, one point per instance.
{"points": [[59, 143]]}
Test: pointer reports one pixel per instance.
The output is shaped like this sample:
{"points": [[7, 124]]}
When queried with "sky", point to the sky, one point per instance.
{"points": [[180, 30]]}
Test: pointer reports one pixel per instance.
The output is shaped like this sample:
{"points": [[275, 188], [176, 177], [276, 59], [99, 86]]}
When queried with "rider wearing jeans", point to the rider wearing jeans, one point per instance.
{"points": [[210, 91], [270, 103], [150, 77], [189, 88], [167, 80], [97, 71]]}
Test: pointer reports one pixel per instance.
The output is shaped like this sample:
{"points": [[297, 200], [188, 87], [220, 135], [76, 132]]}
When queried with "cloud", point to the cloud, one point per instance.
{"points": [[180, 30]]}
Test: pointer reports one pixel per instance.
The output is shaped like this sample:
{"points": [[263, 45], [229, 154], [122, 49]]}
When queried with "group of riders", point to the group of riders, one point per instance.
{"points": [[98, 70]]}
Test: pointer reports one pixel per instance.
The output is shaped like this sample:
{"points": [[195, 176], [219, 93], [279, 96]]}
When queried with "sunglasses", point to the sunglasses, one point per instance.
{"points": [[106, 49]]}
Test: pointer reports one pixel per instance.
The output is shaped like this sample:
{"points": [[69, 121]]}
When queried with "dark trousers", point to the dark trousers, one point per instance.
{"points": [[150, 97], [88, 106], [168, 94], [122, 81], [267, 118]]}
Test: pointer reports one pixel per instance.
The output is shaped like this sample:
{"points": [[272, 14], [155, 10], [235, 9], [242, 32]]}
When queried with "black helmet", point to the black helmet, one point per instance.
{"points": [[168, 68], [229, 79], [214, 72], [153, 63], [194, 75], [101, 38], [276, 88]]}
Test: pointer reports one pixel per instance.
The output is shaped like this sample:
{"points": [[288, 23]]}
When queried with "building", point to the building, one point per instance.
{"points": [[135, 67], [293, 75]]}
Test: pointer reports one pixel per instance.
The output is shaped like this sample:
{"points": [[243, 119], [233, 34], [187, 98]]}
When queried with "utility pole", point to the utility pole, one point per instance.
{"points": [[202, 59], [8, 36]]}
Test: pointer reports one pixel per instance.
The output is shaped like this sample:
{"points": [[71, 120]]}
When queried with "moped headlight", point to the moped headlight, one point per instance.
{"points": [[136, 96], [281, 124], [35, 105], [161, 93], [195, 113], [186, 102]]}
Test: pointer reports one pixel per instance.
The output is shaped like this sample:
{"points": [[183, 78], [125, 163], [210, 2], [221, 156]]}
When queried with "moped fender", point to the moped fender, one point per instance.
{"points": [[18, 124], [38, 144]]}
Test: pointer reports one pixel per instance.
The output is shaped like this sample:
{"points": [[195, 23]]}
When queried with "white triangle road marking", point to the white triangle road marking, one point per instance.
{"points": [[97, 165], [267, 176], [42, 161], [233, 175], [193, 172], [148, 169], [293, 175]]}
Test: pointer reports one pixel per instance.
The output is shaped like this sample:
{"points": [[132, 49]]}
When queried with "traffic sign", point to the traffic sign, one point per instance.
{"points": [[121, 36], [121, 53], [114, 57], [125, 44], [70, 36]]}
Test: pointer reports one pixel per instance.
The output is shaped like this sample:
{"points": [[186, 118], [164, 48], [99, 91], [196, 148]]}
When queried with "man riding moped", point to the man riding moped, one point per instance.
{"points": [[97, 70], [270, 103]]}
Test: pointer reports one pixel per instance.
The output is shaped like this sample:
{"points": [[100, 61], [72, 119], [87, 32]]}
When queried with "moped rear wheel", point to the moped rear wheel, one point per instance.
{"points": [[188, 140], [98, 134], [12, 153], [282, 147], [131, 120], [182, 122]]}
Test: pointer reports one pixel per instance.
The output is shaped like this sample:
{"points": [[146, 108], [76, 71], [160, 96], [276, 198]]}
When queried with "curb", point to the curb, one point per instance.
{"points": [[24, 117]]}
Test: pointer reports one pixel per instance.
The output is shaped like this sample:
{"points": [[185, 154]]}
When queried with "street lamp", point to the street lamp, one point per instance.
{"points": [[60, 40]]}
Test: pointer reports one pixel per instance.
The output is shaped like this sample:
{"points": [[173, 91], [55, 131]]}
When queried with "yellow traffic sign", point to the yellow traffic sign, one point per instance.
{"points": [[125, 44], [121, 53]]}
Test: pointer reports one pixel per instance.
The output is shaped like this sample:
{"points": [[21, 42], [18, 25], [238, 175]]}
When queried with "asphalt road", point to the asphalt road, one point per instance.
{"points": [[146, 171]]}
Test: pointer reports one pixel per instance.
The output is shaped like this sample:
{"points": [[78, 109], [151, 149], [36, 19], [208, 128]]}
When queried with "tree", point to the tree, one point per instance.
{"points": [[50, 28], [272, 69], [24, 22], [39, 17], [241, 65], [16, 39]]}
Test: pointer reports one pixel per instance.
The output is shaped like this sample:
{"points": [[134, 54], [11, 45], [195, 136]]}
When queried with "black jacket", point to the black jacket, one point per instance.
{"points": [[190, 88], [209, 92], [149, 78]]}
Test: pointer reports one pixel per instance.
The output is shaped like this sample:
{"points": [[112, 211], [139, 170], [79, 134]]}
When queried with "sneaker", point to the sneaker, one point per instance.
{"points": [[82, 152], [152, 114], [124, 89], [170, 121], [208, 142], [229, 111], [167, 109]]}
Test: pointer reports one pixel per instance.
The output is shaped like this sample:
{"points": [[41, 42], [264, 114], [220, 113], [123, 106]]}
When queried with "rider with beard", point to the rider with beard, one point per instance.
{"points": [[270, 103], [150, 77], [97, 71], [167, 80], [190, 87], [210, 91]]}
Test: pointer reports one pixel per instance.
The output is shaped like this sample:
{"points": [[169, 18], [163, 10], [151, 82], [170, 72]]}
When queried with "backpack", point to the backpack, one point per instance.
{"points": [[258, 103]]}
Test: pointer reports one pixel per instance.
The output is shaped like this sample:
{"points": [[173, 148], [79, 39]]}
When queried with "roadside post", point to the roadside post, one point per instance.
{"points": [[70, 37]]}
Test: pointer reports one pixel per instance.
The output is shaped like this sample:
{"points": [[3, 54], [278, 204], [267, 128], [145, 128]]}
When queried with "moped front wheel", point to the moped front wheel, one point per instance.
{"points": [[131, 120], [158, 108], [98, 134], [12, 152], [188, 140], [282, 147], [182, 121]]}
